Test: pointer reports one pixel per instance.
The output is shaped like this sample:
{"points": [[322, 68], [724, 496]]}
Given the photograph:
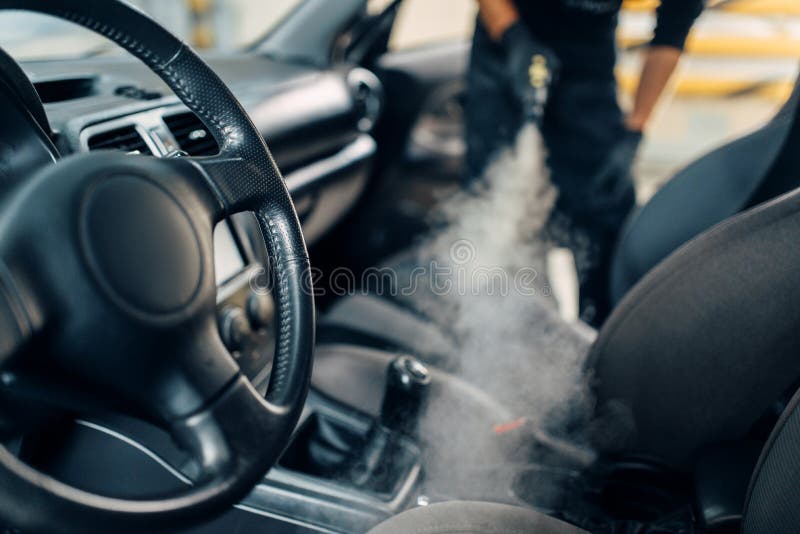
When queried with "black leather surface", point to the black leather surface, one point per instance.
{"points": [[24, 145], [14, 77], [244, 177]]}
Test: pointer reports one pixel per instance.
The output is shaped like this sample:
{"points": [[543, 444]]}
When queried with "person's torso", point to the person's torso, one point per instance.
{"points": [[582, 32], [577, 20]]}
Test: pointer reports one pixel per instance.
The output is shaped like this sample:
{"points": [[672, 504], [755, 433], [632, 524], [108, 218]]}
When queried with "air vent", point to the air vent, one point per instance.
{"points": [[367, 97], [126, 139], [191, 135]]}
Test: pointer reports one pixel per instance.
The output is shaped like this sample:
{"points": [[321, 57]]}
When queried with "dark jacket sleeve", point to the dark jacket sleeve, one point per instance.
{"points": [[674, 19]]}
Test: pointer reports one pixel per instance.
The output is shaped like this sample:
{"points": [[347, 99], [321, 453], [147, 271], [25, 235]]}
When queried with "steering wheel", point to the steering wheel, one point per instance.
{"points": [[107, 298]]}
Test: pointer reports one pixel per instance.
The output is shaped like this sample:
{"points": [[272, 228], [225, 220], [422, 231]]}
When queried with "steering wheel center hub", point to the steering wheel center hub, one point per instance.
{"points": [[141, 245]]}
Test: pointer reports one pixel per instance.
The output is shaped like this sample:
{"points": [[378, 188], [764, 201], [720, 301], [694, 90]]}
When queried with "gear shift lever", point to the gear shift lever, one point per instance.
{"points": [[407, 381]]}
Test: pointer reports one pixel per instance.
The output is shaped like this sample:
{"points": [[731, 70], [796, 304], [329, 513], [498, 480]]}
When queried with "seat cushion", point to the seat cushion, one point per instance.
{"points": [[356, 376], [391, 325], [456, 427], [473, 518], [381, 323]]}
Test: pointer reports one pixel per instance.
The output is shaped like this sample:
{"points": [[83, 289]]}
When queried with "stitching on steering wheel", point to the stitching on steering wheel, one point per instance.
{"points": [[116, 35], [187, 96], [149, 56], [281, 361]]}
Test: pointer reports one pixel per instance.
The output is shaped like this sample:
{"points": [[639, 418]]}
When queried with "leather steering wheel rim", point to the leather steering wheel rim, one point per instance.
{"points": [[243, 177]]}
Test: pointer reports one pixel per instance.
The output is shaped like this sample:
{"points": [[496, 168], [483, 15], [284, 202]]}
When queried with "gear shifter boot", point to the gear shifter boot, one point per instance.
{"points": [[407, 383]]}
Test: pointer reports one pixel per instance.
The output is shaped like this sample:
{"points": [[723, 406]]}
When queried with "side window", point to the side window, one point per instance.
{"points": [[428, 22]]}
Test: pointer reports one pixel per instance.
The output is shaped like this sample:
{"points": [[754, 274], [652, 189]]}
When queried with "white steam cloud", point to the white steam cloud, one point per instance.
{"points": [[510, 341]]}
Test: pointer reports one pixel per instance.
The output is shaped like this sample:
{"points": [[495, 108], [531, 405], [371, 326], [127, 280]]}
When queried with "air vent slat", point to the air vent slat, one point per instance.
{"points": [[191, 134], [124, 139]]}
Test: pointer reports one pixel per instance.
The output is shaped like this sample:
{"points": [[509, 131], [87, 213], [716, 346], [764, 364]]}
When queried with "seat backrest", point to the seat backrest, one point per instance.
{"points": [[724, 182], [773, 499], [709, 339]]}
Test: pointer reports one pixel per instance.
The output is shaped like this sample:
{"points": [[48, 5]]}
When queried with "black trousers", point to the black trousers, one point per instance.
{"points": [[583, 123]]}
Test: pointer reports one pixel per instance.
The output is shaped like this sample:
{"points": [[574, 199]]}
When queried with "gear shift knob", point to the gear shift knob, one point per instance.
{"points": [[407, 384]]}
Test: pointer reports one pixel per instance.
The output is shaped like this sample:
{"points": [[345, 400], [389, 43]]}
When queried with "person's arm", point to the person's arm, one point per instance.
{"points": [[497, 16], [674, 20], [659, 64]]}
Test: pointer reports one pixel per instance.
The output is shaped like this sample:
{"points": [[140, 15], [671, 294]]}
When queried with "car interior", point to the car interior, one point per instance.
{"points": [[172, 360]]}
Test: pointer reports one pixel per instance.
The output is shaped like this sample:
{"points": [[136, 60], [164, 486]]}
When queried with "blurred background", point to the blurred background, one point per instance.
{"points": [[742, 61], [742, 64]]}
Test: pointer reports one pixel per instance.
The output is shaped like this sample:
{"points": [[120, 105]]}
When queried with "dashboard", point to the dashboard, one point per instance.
{"points": [[317, 124]]}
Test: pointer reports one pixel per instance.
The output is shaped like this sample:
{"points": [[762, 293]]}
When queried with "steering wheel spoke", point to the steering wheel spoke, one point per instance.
{"points": [[231, 437], [17, 319], [238, 185], [231, 177], [231, 443]]}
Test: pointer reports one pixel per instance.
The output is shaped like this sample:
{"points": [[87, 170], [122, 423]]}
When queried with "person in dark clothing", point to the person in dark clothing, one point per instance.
{"points": [[552, 62]]}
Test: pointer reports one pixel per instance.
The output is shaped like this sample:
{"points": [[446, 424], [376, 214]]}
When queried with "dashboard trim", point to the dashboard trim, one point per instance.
{"points": [[305, 179], [151, 126]]}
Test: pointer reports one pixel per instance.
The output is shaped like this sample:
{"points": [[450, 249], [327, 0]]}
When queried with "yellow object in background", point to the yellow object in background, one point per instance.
{"points": [[202, 31], [748, 7], [737, 47], [202, 36], [730, 45], [200, 7], [699, 86]]}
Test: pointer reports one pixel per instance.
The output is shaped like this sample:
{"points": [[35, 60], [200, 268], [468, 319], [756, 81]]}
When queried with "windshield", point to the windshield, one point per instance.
{"points": [[205, 24]]}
